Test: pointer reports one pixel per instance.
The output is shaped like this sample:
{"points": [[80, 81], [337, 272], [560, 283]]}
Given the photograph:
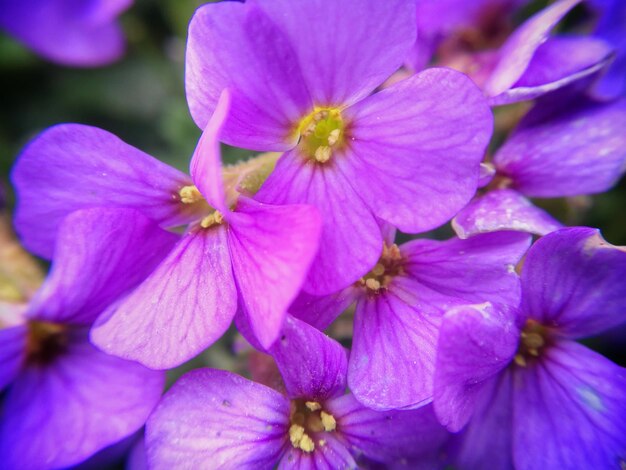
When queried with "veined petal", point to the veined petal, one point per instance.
{"points": [[570, 411], [12, 351], [313, 365], [331, 456], [475, 344], [415, 148], [503, 209], [386, 436], [100, 255], [351, 241], [216, 419], [184, 306], [88, 167], [271, 248], [56, 415], [321, 311], [574, 281], [345, 49], [566, 150]]}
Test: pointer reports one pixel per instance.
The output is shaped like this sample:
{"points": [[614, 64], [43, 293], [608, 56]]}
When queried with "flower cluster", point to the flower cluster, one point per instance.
{"points": [[373, 122]]}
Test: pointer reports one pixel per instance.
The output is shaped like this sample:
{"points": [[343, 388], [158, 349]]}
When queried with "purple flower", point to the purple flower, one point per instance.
{"points": [[559, 149], [235, 252], [65, 400], [217, 419], [301, 74], [399, 305], [529, 395], [79, 33]]}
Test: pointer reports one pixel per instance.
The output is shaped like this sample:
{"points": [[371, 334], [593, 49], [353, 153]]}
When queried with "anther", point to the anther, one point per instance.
{"points": [[333, 137], [215, 218], [313, 405], [322, 154], [190, 194], [372, 284], [328, 421], [299, 439]]}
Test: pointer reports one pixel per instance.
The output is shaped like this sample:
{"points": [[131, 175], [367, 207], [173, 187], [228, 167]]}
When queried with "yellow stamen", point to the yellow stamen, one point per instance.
{"points": [[299, 439], [322, 154], [190, 194], [328, 421], [313, 405], [372, 284], [214, 218], [321, 133]]}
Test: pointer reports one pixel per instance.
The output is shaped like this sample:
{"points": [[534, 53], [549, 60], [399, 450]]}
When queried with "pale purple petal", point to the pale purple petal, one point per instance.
{"points": [[271, 248], [312, 364], [12, 351], [238, 46], [519, 49], [567, 150], [475, 343], [416, 147], [570, 409], [386, 436], [351, 241], [185, 305], [321, 311], [503, 209], [574, 281], [58, 414], [88, 167], [331, 456], [100, 255], [216, 419], [83, 35]]}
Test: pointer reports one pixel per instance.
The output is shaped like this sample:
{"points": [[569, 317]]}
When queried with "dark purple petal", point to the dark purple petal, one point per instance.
{"points": [[611, 26], [386, 436], [58, 414], [351, 241], [271, 248], [566, 150], [570, 409], [312, 364], [185, 305], [100, 255], [475, 344], [574, 281], [416, 147], [83, 35], [88, 167], [332, 455], [503, 209], [216, 419], [322, 311], [13, 337]]}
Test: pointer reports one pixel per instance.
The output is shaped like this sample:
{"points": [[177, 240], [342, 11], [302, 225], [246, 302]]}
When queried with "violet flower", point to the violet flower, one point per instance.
{"points": [[234, 252], [64, 399], [301, 74], [82, 34], [559, 149], [532, 397], [399, 305], [217, 419]]}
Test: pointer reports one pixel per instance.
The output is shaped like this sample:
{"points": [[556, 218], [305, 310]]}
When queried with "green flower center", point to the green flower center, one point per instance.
{"points": [[321, 133]]}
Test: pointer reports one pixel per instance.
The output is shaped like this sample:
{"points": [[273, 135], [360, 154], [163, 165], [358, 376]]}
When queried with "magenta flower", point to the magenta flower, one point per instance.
{"points": [[65, 400], [301, 74], [233, 254], [82, 34], [559, 149], [217, 419], [399, 305], [529, 396]]}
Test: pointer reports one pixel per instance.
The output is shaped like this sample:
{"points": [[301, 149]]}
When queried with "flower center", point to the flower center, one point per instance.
{"points": [[533, 339], [45, 342], [389, 266], [191, 195], [321, 133], [308, 419]]}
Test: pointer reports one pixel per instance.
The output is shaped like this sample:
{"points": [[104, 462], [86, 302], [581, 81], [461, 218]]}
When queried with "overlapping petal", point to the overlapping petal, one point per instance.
{"points": [[87, 167], [58, 414], [12, 351], [216, 419], [321, 311], [100, 255], [185, 305]]}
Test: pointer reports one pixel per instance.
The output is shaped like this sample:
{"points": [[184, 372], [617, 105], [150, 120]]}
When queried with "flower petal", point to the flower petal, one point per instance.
{"points": [[312, 364], [271, 246], [574, 281], [570, 409], [12, 351], [332, 455], [343, 257], [566, 150], [416, 147], [386, 436], [321, 311], [88, 167], [476, 342], [100, 255], [185, 305], [502, 209], [216, 419], [59, 414]]}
